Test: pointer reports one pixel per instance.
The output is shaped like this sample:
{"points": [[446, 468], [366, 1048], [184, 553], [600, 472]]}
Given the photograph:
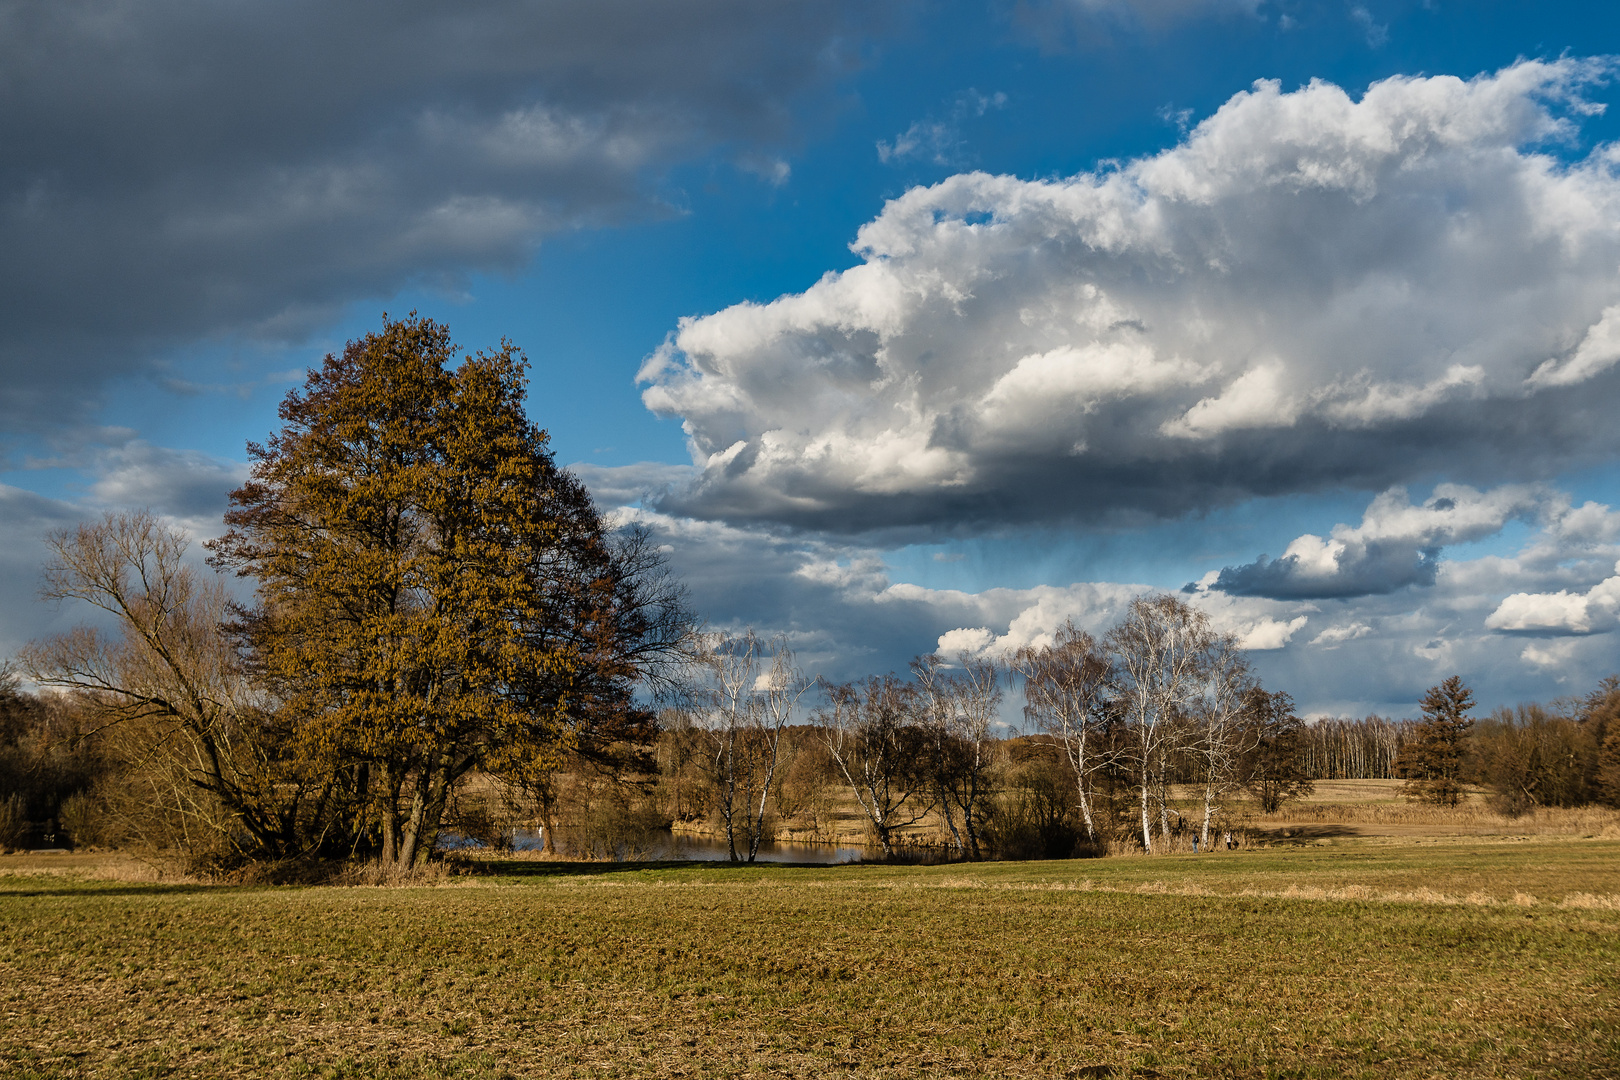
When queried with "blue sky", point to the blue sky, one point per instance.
{"points": [[1377, 313]]}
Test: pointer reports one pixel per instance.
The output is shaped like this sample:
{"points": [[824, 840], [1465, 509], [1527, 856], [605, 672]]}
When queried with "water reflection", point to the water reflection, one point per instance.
{"points": [[678, 846]]}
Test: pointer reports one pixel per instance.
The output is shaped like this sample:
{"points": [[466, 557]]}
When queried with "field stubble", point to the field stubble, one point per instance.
{"points": [[1461, 960]]}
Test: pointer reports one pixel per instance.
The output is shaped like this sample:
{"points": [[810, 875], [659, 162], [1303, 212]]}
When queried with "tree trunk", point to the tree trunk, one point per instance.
{"points": [[969, 818], [884, 840], [362, 793], [1163, 792], [756, 826], [548, 828], [412, 832], [1209, 808], [438, 797], [1085, 809], [390, 816], [950, 820], [728, 793], [1147, 821]]}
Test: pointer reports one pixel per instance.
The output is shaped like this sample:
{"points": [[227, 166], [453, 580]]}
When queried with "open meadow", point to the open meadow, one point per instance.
{"points": [[990, 540], [1460, 957]]}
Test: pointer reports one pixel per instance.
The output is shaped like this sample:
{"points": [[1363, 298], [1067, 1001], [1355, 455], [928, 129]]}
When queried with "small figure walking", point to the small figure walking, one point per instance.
{"points": [[1229, 844]]}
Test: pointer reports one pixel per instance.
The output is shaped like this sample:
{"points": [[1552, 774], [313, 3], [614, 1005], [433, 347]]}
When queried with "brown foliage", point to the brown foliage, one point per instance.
{"points": [[1274, 767], [435, 595], [46, 767], [1530, 757]]}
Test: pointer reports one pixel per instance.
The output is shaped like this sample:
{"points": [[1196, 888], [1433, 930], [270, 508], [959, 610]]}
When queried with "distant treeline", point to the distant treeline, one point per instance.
{"points": [[1566, 754], [1563, 754], [47, 768], [63, 784], [1342, 748]]}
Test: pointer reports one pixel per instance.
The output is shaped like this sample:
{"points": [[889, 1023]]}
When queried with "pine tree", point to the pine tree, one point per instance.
{"points": [[1431, 760]]}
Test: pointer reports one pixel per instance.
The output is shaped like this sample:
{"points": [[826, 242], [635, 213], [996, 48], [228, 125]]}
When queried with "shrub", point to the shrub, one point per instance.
{"points": [[83, 819]]}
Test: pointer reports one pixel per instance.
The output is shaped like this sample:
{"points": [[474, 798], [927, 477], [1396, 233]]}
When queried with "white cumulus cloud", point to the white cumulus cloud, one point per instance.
{"points": [[1561, 612], [1272, 633], [966, 640], [1310, 290], [1335, 635]]}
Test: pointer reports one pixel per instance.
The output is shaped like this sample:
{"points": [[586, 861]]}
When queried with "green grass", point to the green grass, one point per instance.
{"points": [[1119, 967]]}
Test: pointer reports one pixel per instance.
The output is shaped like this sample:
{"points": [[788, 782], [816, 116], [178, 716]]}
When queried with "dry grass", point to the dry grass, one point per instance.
{"points": [[1595, 822], [1365, 808], [1356, 791], [1458, 961], [1376, 808], [1327, 791], [88, 866], [1365, 893], [126, 867]]}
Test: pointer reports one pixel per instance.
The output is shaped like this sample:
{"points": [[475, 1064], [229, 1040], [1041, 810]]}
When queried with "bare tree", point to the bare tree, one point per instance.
{"points": [[780, 689], [1221, 738], [174, 688], [728, 712], [1161, 653], [1342, 748], [1066, 696], [743, 709], [961, 709], [1275, 766], [877, 740]]}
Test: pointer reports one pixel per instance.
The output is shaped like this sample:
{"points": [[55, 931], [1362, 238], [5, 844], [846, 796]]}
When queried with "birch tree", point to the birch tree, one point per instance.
{"points": [[1067, 688], [1161, 654], [875, 732], [750, 693], [1222, 738], [961, 708], [781, 689]]}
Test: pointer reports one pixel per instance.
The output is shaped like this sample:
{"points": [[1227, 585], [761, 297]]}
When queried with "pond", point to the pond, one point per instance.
{"points": [[677, 846]]}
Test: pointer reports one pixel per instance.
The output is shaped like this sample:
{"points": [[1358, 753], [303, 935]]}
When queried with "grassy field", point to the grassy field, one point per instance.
{"points": [[1457, 958]]}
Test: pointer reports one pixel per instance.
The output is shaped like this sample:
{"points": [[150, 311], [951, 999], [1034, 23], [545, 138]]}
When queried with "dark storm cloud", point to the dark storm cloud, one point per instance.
{"points": [[25, 520], [1378, 569], [174, 171], [1133, 478], [1397, 545]]}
